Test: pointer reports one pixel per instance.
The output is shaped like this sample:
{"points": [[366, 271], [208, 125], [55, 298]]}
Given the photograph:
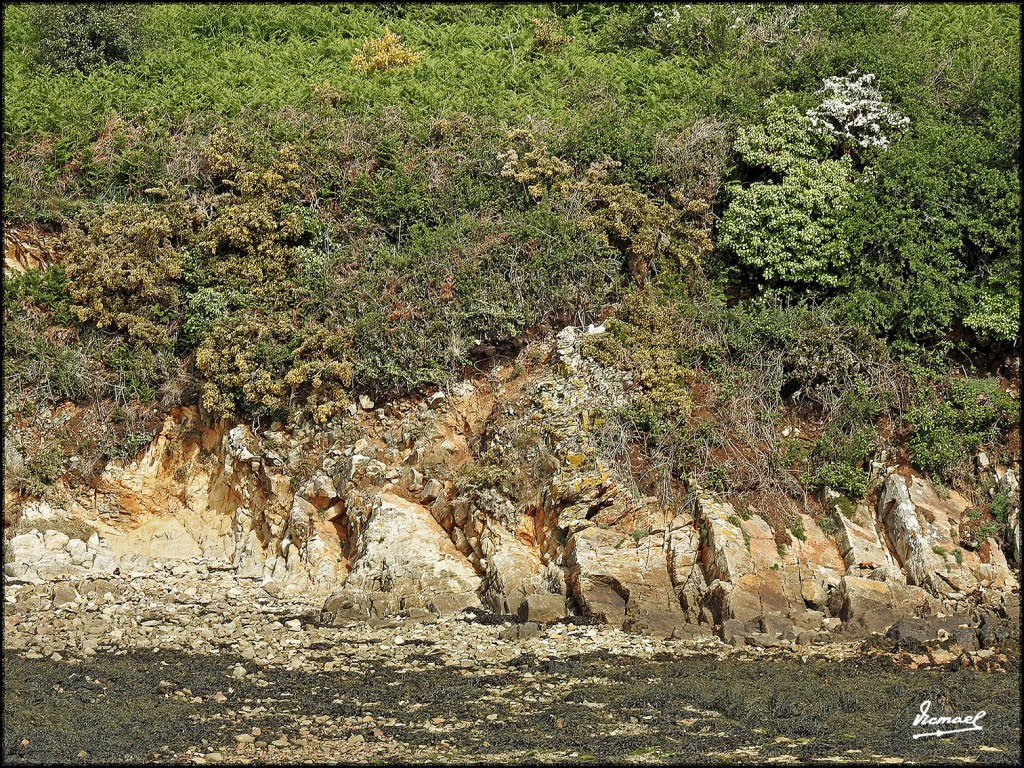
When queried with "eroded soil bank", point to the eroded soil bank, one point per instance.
{"points": [[168, 706]]}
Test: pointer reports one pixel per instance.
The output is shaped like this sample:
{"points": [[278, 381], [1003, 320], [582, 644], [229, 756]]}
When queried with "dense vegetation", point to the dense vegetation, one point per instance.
{"points": [[810, 212]]}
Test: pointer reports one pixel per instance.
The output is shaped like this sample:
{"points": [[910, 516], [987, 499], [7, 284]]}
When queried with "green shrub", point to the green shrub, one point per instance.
{"points": [[1000, 507], [205, 307], [948, 426], [48, 368], [47, 289], [937, 238], [797, 528], [141, 371], [267, 366], [644, 339], [123, 271], [84, 36], [847, 508], [790, 229]]}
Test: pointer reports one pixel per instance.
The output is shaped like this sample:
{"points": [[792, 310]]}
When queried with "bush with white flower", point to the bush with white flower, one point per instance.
{"points": [[853, 112]]}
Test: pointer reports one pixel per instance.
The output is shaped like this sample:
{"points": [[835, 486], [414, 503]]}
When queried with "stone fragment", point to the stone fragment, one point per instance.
{"points": [[520, 631], [63, 593], [432, 490]]}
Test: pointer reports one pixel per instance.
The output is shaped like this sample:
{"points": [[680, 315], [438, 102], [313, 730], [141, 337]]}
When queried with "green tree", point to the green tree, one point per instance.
{"points": [[84, 36]]}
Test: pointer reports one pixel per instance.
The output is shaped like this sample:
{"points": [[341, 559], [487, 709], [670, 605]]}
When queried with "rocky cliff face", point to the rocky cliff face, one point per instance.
{"points": [[508, 493]]}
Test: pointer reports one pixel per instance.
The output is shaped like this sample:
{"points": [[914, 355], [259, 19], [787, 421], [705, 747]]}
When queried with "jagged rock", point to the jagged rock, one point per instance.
{"points": [[98, 587], [512, 571], [685, 571], [811, 637], [751, 596], [914, 633], [319, 488], [692, 631], [103, 563], [859, 542], [924, 530], [364, 472], [751, 577], [300, 519], [406, 560], [623, 582], [238, 444], [157, 538], [41, 510], [774, 625], [726, 556], [1009, 485], [731, 629], [913, 535]]}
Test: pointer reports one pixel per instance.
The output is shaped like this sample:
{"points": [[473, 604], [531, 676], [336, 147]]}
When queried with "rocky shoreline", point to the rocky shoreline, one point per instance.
{"points": [[484, 543], [246, 642]]}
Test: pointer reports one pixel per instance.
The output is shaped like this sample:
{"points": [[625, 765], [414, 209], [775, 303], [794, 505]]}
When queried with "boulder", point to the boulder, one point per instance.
{"points": [[542, 608], [55, 541], [868, 606], [26, 548], [512, 570]]}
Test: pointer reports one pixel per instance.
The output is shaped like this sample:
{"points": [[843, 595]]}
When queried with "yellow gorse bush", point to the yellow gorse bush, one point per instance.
{"points": [[646, 231], [384, 54], [533, 166]]}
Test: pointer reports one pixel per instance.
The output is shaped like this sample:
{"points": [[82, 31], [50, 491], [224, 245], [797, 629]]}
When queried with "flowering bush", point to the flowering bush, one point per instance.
{"points": [[792, 230], [536, 168], [853, 112], [547, 36], [383, 54]]}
